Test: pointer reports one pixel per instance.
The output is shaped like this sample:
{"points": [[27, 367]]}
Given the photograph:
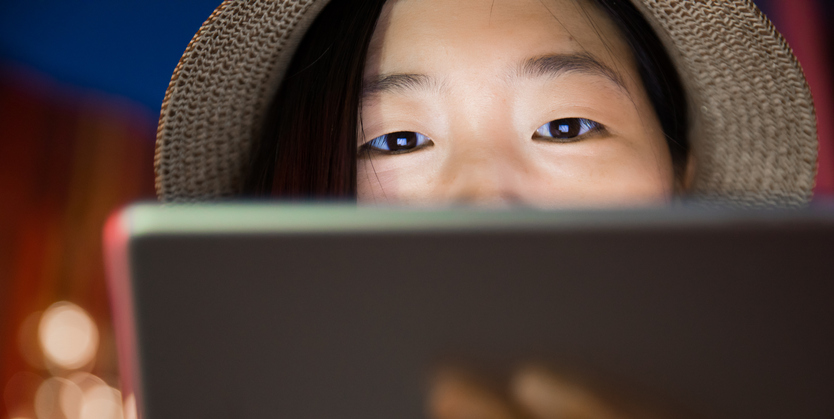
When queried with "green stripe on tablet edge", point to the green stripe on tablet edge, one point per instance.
{"points": [[248, 218]]}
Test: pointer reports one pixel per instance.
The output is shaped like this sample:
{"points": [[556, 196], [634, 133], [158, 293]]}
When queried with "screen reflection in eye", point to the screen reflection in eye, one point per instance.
{"points": [[397, 142], [566, 130], [561, 130]]}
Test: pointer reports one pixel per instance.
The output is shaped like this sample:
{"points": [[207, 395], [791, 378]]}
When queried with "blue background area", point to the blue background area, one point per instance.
{"points": [[123, 47]]}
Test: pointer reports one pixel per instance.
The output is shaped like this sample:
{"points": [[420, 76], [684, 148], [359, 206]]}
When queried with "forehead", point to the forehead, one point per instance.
{"points": [[476, 35]]}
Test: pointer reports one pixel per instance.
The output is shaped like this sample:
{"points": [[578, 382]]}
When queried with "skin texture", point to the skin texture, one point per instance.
{"points": [[463, 73]]}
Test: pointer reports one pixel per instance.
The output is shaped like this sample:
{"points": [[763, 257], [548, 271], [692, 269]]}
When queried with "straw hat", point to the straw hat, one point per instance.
{"points": [[752, 129]]}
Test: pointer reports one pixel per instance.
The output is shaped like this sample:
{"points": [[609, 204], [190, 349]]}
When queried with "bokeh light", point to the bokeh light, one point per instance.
{"points": [[49, 395], [130, 407], [72, 398], [101, 402], [68, 336], [96, 401], [62, 341]]}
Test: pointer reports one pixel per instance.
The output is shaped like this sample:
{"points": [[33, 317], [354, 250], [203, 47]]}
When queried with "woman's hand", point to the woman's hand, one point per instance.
{"points": [[532, 392]]}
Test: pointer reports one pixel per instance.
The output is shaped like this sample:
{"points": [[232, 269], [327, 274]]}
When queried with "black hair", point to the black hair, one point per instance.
{"points": [[308, 148], [660, 79]]}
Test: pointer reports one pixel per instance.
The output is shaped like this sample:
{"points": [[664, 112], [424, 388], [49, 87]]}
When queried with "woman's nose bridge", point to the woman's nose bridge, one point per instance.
{"points": [[485, 167]]}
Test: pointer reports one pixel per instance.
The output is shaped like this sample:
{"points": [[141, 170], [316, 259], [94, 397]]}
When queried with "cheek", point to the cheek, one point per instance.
{"points": [[370, 187], [604, 173], [403, 179], [592, 174]]}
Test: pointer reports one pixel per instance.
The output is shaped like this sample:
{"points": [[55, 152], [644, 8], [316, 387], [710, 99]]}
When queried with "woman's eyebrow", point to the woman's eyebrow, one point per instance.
{"points": [[554, 65], [396, 82]]}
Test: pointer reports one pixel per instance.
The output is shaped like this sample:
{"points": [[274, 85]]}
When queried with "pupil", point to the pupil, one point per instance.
{"points": [[402, 140], [565, 128]]}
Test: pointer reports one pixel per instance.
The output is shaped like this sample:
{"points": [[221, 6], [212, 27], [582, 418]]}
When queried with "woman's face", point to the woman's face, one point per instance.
{"points": [[531, 102]]}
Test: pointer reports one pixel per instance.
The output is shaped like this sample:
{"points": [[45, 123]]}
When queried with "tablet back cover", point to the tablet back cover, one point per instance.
{"points": [[334, 312]]}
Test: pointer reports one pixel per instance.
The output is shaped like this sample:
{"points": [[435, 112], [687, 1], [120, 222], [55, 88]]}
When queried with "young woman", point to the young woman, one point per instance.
{"points": [[545, 103], [521, 102], [532, 102]]}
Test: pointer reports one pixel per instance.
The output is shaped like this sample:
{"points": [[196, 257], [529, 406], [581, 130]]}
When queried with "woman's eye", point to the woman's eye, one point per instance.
{"points": [[567, 129], [398, 142]]}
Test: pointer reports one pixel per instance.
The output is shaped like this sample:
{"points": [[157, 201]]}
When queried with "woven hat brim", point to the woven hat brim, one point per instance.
{"points": [[753, 128], [752, 117], [218, 95]]}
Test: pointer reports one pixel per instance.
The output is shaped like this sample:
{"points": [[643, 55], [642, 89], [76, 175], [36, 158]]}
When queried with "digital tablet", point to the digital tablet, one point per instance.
{"points": [[329, 311]]}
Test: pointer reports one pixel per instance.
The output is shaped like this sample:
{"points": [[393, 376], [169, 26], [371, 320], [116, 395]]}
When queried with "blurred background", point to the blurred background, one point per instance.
{"points": [[80, 88]]}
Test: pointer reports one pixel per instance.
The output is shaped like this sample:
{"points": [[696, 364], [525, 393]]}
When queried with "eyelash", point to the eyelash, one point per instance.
{"points": [[397, 143], [567, 130], [570, 129]]}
